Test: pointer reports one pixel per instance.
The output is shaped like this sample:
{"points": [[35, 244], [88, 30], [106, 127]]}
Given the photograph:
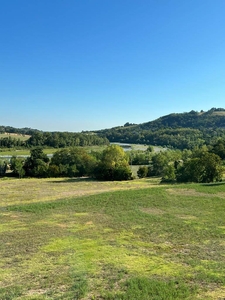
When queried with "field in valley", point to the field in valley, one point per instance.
{"points": [[137, 240], [18, 152]]}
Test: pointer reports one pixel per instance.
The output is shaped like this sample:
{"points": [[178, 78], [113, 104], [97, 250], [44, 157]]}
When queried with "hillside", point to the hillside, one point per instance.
{"points": [[178, 130], [214, 118], [20, 131]]}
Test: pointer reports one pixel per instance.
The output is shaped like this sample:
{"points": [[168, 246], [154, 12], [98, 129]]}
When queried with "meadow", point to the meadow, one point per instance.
{"points": [[22, 137], [137, 240], [18, 152]]}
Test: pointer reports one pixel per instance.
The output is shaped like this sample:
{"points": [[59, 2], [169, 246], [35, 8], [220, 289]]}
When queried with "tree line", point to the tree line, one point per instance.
{"points": [[110, 164], [202, 164], [54, 140], [179, 138]]}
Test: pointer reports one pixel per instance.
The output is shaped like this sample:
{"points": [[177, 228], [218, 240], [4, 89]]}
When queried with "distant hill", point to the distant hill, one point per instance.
{"points": [[177, 130], [23, 131], [213, 118], [18, 138]]}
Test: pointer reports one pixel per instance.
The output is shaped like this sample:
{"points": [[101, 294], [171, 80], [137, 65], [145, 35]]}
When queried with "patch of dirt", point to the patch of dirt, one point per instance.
{"points": [[217, 294], [221, 195], [62, 225], [37, 292], [89, 223]]}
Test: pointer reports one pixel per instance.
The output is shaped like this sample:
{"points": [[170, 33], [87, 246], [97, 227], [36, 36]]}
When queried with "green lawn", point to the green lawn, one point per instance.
{"points": [[83, 239]]}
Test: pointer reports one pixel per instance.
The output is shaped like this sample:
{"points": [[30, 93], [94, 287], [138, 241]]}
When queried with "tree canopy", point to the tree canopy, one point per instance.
{"points": [[113, 165]]}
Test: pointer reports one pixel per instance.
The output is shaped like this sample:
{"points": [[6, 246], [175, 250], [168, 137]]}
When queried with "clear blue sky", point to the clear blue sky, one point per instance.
{"points": [[73, 65]]}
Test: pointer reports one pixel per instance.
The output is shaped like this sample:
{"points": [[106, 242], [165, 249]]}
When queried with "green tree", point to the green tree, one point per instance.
{"points": [[113, 165], [159, 162], [40, 169], [53, 171], [219, 148], [142, 171], [72, 162], [150, 149], [36, 165], [3, 167], [17, 166], [169, 173], [204, 168]]}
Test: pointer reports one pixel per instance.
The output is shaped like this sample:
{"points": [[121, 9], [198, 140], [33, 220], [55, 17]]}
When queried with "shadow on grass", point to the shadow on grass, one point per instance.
{"points": [[74, 179], [213, 183]]}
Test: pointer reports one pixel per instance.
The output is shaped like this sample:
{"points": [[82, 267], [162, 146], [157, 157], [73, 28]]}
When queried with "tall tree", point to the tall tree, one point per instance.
{"points": [[205, 167], [72, 162], [113, 165], [17, 166], [36, 165], [3, 167]]}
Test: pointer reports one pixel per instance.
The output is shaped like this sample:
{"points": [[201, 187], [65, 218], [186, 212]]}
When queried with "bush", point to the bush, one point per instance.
{"points": [[142, 172]]}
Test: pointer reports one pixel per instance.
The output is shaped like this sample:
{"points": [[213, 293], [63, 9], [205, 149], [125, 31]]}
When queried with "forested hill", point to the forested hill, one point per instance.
{"points": [[213, 118], [10, 129], [11, 137], [177, 130]]}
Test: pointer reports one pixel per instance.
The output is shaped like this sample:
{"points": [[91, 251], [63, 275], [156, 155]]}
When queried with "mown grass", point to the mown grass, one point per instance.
{"points": [[157, 242]]}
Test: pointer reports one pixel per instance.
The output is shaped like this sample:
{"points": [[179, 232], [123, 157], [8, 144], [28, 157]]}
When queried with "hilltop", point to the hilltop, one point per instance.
{"points": [[215, 117], [178, 130]]}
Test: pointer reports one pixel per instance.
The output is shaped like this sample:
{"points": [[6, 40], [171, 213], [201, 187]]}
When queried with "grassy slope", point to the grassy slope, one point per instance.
{"points": [[15, 135], [145, 242]]}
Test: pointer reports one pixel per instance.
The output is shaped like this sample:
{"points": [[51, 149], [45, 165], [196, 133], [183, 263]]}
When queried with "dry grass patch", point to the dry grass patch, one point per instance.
{"points": [[218, 294], [193, 193], [16, 191], [186, 217], [187, 192]]}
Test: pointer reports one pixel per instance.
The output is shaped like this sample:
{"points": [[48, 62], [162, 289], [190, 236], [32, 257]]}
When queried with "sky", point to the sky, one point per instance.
{"points": [[76, 65]]}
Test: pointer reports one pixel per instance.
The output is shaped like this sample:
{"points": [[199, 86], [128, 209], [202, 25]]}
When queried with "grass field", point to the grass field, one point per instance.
{"points": [[83, 239], [22, 137], [15, 152], [53, 150]]}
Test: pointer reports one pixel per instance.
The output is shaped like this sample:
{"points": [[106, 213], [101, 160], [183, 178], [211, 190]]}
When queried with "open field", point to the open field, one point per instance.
{"points": [[22, 137], [11, 152], [15, 152], [83, 239]]}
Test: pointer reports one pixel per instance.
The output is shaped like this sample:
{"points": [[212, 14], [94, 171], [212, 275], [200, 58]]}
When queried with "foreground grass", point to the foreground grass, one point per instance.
{"points": [[162, 242]]}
